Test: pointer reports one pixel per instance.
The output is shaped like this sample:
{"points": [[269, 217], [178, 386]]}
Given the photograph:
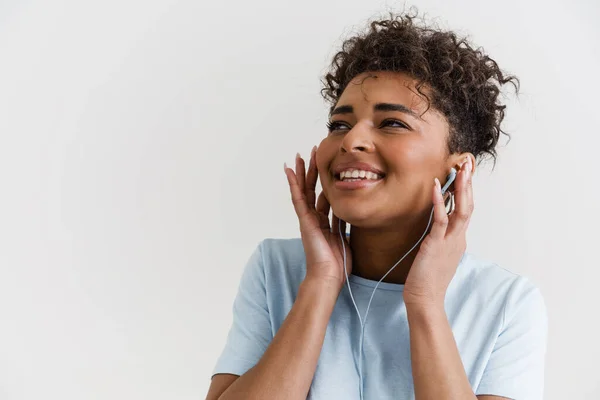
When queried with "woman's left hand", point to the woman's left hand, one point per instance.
{"points": [[441, 250]]}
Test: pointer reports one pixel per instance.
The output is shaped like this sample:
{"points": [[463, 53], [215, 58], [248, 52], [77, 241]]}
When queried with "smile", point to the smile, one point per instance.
{"points": [[353, 179], [353, 174]]}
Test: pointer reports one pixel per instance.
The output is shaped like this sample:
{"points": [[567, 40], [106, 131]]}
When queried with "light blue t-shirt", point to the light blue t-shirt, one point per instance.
{"points": [[498, 319]]}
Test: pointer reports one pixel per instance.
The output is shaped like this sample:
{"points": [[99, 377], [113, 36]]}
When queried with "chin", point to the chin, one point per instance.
{"points": [[368, 215], [361, 217]]}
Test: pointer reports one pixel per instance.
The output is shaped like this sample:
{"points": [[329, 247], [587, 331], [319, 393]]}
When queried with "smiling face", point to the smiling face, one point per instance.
{"points": [[379, 121]]}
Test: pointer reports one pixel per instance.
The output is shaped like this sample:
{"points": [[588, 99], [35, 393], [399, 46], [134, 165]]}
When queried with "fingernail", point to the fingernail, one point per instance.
{"points": [[297, 156], [284, 166], [437, 184]]}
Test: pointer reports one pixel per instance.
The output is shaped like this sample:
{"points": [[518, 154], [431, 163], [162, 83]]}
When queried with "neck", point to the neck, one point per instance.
{"points": [[376, 250]]}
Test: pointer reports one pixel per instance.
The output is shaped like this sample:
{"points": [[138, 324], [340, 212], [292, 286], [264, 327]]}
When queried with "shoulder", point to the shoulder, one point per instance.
{"points": [[281, 249], [283, 260], [489, 275], [510, 313], [492, 284]]}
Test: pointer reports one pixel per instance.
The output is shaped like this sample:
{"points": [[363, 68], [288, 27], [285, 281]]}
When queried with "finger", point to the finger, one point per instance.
{"points": [[462, 213], [335, 224], [323, 210], [343, 229], [300, 172], [339, 227], [311, 179], [440, 218], [470, 193], [298, 198], [449, 202]]}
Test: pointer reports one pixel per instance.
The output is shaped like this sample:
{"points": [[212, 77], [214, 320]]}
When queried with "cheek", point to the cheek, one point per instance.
{"points": [[401, 158], [412, 156], [326, 152]]}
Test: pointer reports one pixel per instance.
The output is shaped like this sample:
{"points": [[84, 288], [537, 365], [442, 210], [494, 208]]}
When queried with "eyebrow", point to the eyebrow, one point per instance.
{"points": [[378, 107]]}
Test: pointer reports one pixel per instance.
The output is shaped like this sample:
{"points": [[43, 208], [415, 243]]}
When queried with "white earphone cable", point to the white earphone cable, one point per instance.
{"points": [[363, 323]]}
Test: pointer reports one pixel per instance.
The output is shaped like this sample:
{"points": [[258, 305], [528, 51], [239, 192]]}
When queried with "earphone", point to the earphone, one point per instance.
{"points": [[449, 179]]}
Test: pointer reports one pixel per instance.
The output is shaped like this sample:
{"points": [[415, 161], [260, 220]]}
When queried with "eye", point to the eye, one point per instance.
{"points": [[332, 126], [336, 125], [393, 121]]}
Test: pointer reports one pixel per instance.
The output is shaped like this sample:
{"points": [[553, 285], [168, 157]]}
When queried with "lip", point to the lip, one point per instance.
{"points": [[359, 184], [356, 165]]}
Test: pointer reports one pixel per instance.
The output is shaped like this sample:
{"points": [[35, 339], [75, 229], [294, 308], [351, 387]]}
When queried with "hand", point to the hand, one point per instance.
{"points": [[322, 245], [441, 250]]}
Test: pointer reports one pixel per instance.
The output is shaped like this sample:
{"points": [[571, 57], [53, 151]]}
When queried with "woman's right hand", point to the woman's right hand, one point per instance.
{"points": [[322, 244]]}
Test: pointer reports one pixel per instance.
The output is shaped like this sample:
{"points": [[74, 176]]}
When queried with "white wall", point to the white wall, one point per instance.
{"points": [[141, 156]]}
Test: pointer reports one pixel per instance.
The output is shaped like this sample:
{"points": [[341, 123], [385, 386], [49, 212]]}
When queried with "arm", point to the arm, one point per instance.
{"points": [[438, 372], [515, 368], [283, 366], [287, 367]]}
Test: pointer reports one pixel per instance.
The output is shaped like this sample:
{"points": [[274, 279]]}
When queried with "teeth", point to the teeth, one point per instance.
{"points": [[354, 174]]}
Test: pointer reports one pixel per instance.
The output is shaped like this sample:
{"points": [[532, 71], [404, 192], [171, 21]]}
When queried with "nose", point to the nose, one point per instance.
{"points": [[357, 139]]}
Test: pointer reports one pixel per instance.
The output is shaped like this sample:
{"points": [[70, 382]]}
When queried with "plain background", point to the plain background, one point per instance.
{"points": [[141, 154]]}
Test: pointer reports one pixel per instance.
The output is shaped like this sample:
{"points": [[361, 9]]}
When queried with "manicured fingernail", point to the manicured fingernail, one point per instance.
{"points": [[297, 156], [284, 166], [438, 185]]}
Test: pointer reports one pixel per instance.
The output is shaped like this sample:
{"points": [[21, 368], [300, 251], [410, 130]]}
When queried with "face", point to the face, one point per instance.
{"points": [[378, 127]]}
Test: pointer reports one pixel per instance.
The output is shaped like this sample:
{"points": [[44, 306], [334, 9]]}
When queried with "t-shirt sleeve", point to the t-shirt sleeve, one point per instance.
{"points": [[250, 332], [516, 366]]}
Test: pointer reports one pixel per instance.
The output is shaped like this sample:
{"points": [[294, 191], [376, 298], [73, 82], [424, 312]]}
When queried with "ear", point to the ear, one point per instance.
{"points": [[456, 160]]}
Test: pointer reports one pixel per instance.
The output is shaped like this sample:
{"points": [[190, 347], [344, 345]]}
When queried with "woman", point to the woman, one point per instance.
{"points": [[409, 103]]}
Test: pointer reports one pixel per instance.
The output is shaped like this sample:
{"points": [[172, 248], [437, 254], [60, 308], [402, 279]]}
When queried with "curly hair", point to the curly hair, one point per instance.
{"points": [[463, 82]]}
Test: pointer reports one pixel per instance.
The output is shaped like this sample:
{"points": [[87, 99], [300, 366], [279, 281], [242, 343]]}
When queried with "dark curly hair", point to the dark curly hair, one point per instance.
{"points": [[463, 82]]}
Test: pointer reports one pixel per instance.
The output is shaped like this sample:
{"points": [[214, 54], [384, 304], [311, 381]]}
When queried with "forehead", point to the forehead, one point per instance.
{"points": [[384, 87]]}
